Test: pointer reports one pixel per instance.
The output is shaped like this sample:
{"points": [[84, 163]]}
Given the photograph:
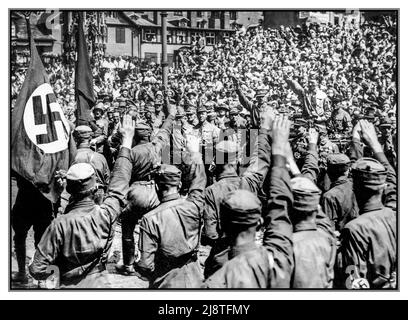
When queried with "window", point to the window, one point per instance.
{"points": [[178, 13], [199, 14], [170, 37], [181, 37], [195, 36], [210, 38], [233, 15], [120, 35], [150, 35], [216, 14]]}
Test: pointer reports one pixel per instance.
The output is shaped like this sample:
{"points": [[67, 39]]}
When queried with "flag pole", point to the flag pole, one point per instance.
{"points": [[27, 18], [164, 62]]}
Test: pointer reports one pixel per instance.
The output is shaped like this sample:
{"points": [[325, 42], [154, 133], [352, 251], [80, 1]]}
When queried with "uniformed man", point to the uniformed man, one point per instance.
{"points": [[146, 156], [339, 203], [340, 119], [369, 242], [209, 136], [387, 142], [79, 241], [271, 265], [82, 136], [169, 235], [227, 180], [221, 110], [101, 135], [192, 116], [31, 209]]}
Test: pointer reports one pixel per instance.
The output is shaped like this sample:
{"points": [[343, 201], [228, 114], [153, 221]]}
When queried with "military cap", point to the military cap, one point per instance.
{"points": [[241, 207], [158, 102], [386, 123], [337, 162], [84, 132], [306, 194], [226, 152], [201, 109], [99, 106], [150, 108], [337, 98], [191, 110], [159, 93], [80, 178], [233, 111], [261, 92], [168, 175], [180, 112], [369, 173]]}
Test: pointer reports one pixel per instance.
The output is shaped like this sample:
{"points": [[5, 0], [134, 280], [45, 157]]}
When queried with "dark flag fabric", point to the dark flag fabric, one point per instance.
{"points": [[85, 98], [41, 141]]}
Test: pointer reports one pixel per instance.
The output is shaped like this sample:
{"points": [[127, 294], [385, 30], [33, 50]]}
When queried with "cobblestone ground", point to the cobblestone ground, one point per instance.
{"points": [[115, 257]]}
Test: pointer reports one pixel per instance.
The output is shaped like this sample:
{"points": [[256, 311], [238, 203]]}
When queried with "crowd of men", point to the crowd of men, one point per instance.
{"points": [[277, 149]]}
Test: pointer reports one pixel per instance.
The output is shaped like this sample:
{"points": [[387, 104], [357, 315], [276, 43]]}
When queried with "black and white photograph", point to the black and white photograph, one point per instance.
{"points": [[203, 149]]}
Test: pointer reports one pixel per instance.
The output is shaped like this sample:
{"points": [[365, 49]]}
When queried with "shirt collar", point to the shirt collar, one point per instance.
{"points": [[305, 226], [371, 206], [237, 250], [170, 197]]}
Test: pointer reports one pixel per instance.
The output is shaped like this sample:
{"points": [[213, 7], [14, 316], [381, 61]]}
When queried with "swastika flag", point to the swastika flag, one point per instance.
{"points": [[41, 140]]}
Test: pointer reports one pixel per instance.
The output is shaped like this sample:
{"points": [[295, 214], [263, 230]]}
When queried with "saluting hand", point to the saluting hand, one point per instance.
{"points": [[369, 135], [128, 131], [280, 135]]}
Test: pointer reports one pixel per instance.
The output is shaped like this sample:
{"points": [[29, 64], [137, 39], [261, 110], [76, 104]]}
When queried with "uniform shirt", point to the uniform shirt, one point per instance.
{"points": [[169, 236], [97, 161], [146, 156], [80, 240], [339, 203], [314, 247], [271, 265], [341, 121], [369, 242], [208, 133]]}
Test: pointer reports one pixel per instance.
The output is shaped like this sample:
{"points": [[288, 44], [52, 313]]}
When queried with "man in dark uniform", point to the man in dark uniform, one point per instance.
{"points": [[339, 203], [169, 235], [271, 265], [369, 242], [146, 157], [340, 119], [101, 135], [227, 180], [85, 154], [79, 241], [31, 209]]}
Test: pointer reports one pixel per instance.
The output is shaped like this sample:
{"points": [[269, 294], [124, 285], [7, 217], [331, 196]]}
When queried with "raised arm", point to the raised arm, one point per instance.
{"points": [[254, 176], [278, 227], [369, 135], [310, 168]]}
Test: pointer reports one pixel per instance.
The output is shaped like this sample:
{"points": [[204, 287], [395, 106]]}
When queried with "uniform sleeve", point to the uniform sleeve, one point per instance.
{"points": [[118, 185], [278, 227], [330, 208], [199, 180], [46, 253], [259, 164], [390, 193], [148, 245], [310, 168], [323, 222], [162, 138], [211, 219], [353, 249]]}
